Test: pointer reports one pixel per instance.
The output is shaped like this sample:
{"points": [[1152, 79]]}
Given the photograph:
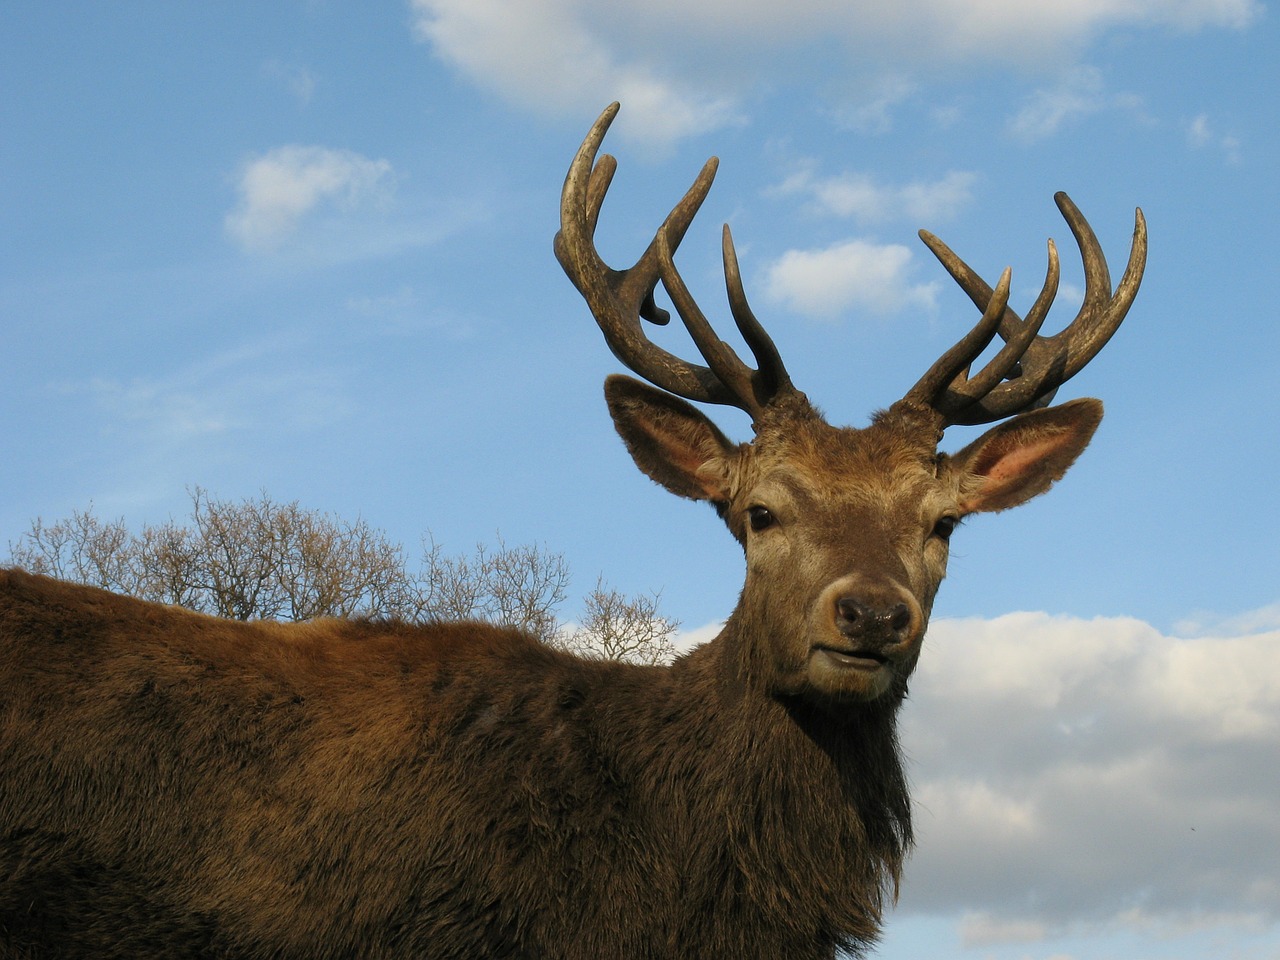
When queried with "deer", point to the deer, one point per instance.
{"points": [[177, 785]]}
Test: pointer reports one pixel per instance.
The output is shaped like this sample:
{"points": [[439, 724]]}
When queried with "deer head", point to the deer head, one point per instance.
{"points": [[845, 530]]}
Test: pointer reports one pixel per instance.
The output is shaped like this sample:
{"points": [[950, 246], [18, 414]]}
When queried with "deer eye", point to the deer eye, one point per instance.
{"points": [[760, 518], [945, 527]]}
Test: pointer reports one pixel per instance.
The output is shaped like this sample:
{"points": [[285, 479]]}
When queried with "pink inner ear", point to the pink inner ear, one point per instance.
{"points": [[1015, 467], [1010, 465]]}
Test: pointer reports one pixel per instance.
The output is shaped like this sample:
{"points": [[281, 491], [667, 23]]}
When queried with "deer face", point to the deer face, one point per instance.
{"points": [[845, 538], [845, 531]]}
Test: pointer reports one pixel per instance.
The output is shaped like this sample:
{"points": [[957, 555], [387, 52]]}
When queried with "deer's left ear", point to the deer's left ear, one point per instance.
{"points": [[1025, 456]]}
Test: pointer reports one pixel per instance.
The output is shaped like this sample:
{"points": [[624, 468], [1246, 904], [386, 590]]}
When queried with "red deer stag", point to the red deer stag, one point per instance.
{"points": [[181, 786]]}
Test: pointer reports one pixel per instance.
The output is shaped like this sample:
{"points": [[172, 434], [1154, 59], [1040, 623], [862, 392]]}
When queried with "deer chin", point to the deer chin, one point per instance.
{"points": [[846, 672]]}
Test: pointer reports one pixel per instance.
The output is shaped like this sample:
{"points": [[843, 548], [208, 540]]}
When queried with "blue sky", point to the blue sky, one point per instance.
{"points": [[306, 247]]}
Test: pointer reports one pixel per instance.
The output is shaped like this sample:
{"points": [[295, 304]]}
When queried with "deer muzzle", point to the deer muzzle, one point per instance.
{"points": [[870, 626]]}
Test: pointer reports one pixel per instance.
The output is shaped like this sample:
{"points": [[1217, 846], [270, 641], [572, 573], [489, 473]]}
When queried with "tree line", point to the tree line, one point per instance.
{"points": [[259, 558]]}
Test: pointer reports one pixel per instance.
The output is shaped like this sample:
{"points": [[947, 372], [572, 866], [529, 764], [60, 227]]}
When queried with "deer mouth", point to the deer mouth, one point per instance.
{"points": [[851, 659], [846, 672]]}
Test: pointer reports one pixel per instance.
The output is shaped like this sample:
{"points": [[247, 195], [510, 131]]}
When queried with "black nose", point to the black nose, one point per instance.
{"points": [[872, 623]]}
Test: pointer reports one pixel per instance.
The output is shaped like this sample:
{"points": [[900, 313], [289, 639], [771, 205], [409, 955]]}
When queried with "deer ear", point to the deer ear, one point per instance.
{"points": [[671, 440], [1025, 456]]}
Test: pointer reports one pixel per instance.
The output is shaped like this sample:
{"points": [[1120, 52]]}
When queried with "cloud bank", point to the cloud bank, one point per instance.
{"points": [[1070, 770], [662, 57]]}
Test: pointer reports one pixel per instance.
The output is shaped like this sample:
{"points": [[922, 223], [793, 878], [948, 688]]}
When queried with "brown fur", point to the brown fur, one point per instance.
{"points": [[175, 785]]}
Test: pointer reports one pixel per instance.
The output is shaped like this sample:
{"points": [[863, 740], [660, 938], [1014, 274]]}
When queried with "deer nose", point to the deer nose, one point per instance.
{"points": [[868, 622]]}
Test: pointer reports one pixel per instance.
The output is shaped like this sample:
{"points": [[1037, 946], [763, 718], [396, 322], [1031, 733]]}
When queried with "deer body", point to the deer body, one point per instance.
{"points": [[177, 785]]}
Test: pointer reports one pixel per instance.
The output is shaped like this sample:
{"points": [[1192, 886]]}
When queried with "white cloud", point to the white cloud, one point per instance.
{"points": [[968, 27], [1201, 134], [1194, 14], [575, 55], [280, 188], [855, 274], [542, 55], [1080, 93], [1252, 621], [940, 199], [853, 195], [1198, 131], [1228, 687], [861, 197], [1074, 772]]}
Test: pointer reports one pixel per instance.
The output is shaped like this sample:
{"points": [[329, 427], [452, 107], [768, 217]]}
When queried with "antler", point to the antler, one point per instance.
{"points": [[1029, 368], [620, 298]]}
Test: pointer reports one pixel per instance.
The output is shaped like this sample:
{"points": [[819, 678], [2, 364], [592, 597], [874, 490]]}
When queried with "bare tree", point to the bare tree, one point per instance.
{"points": [[248, 559], [167, 557], [617, 627], [83, 549], [526, 586], [521, 586], [262, 559], [259, 558]]}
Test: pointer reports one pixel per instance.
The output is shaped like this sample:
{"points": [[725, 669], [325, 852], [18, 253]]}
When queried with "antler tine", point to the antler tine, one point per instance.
{"points": [[1030, 368], [946, 387], [940, 386], [619, 299], [772, 376], [1102, 311], [1018, 336], [722, 361], [753, 389]]}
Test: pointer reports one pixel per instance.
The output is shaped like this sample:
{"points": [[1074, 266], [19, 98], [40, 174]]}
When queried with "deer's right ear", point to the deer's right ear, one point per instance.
{"points": [[670, 440]]}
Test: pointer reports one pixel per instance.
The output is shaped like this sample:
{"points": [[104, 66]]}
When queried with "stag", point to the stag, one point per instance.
{"points": [[182, 786]]}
